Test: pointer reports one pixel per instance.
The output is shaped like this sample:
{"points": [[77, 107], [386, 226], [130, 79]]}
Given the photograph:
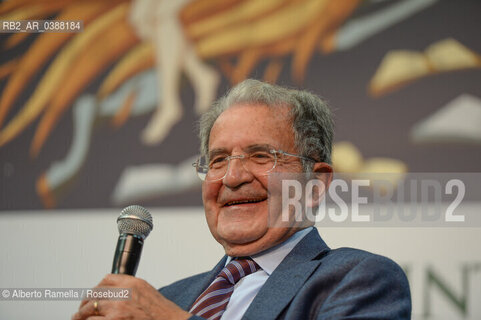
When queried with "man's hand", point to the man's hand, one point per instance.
{"points": [[146, 303]]}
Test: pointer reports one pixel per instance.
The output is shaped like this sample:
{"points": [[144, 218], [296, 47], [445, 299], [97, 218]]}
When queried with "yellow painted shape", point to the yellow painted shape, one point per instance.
{"points": [[136, 60], [274, 27], [52, 80]]}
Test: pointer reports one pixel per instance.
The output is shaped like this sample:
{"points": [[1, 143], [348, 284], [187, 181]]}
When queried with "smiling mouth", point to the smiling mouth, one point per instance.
{"points": [[244, 201]]}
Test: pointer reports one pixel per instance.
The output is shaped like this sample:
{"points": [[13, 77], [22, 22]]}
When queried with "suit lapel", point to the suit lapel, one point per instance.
{"points": [[197, 287], [288, 278]]}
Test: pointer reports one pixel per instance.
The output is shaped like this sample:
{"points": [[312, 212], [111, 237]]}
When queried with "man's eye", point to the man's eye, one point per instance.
{"points": [[218, 159], [260, 156], [217, 162]]}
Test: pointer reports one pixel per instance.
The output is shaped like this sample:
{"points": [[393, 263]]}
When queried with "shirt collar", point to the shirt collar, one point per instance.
{"points": [[269, 259]]}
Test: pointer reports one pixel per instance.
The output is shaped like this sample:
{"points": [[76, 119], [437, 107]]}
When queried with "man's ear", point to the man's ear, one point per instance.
{"points": [[322, 173]]}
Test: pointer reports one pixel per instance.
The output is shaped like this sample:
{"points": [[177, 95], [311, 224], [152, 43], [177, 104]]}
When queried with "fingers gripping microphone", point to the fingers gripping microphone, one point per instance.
{"points": [[135, 224]]}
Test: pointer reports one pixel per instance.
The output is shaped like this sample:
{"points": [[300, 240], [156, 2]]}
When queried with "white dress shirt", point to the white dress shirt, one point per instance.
{"points": [[247, 288]]}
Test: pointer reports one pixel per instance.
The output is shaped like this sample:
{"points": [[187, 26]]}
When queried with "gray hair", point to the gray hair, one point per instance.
{"points": [[311, 117]]}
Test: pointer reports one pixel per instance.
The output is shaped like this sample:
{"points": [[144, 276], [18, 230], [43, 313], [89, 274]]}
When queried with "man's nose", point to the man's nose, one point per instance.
{"points": [[237, 174]]}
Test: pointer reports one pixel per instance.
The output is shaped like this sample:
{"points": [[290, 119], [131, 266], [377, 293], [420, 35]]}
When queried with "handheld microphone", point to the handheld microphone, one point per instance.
{"points": [[135, 224]]}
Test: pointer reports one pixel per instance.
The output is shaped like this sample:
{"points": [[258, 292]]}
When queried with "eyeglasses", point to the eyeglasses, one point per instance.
{"points": [[259, 163]]}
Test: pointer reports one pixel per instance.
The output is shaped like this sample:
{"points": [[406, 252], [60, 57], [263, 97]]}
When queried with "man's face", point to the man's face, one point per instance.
{"points": [[242, 228]]}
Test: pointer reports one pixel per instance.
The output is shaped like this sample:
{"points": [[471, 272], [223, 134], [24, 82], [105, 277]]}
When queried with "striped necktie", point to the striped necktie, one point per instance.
{"points": [[213, 301]]}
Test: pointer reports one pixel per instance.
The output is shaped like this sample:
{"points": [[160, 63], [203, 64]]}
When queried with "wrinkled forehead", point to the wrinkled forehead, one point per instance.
{"points": [[243, 125], [257, 112]]}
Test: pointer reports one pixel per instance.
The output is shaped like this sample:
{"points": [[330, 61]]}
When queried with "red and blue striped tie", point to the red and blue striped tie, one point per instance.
{"points": [[212, 302]]}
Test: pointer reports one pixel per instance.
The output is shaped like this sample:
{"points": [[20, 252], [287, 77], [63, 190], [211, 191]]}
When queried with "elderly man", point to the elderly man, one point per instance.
{"points": [[271, 270]]}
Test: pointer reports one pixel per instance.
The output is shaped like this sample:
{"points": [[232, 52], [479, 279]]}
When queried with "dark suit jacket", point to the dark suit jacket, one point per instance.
{"points": [[315, 282]]}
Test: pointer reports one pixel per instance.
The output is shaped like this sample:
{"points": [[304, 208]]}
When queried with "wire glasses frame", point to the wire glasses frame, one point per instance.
{"points": [[258, 162]]}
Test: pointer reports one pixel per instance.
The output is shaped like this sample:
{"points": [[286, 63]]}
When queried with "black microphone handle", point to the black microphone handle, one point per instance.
{"points": [[127, 254]]}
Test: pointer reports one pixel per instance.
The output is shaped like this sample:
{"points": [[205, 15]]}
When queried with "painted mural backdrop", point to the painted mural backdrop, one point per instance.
{"points": [[106, 117]]}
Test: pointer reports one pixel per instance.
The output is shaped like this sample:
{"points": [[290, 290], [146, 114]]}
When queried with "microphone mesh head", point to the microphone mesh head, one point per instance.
{"points": [[135, 220]]}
